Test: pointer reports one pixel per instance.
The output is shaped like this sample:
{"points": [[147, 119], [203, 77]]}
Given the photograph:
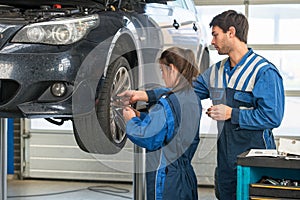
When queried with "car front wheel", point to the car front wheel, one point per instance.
{"points": [[102, 131], [118, 79]]}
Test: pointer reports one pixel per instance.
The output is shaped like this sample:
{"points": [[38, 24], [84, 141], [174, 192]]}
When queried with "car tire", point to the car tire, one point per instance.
{"points": [[110, 138], [205, 61], [217, 194], [118, 79]]}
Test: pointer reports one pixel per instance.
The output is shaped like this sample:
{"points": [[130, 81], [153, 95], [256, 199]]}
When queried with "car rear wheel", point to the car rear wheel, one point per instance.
{"points": [[103, 131], [217, 194], [205, 61]]}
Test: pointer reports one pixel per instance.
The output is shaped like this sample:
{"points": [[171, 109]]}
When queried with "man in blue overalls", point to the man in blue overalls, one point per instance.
{"points": [[247, 94]]}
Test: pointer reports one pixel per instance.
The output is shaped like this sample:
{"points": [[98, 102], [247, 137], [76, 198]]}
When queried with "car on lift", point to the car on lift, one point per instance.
{"points": [[67, 59]]}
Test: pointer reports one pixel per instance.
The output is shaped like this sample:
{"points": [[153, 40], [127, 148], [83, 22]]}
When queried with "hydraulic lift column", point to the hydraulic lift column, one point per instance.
{"points": [[3, 158], [139, 180]]}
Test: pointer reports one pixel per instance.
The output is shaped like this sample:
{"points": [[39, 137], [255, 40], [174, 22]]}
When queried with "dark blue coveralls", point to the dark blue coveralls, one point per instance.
{"points": [[171, 126], [254, 89]]}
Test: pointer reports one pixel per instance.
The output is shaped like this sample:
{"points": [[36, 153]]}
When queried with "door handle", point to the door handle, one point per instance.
{"points": [[175, 24], [195, 27]]}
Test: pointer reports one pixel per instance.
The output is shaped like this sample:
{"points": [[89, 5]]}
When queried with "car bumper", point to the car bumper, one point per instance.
{"points": [[25, 80]]}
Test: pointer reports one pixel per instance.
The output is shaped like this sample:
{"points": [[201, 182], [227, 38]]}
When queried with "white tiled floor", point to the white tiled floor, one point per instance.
{"points": [[77, 190]]}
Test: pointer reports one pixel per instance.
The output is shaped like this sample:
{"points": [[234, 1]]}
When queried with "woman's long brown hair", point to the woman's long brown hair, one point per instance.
{"points": [[184, 61]]}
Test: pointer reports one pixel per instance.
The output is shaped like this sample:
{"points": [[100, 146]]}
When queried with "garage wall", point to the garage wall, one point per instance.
{"points": [[54, 154]]}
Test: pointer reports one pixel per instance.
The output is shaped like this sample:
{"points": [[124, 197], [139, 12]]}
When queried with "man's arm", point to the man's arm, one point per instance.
{"points": [[201, 84], [200, 87], [269, 95]]}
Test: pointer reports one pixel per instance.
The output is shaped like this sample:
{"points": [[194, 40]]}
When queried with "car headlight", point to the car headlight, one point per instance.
{"points": [[61, 31]]}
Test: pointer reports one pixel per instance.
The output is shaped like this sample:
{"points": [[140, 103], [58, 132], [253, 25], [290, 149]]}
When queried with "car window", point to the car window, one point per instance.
{"points": [[177, 3], [191, 6]]}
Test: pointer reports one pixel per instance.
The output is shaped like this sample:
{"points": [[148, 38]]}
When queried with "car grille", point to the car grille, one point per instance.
{"points": [[8, 89]]}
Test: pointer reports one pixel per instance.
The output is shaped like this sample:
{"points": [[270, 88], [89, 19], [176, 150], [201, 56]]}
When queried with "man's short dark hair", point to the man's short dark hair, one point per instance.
{"points": [[231, 18]]}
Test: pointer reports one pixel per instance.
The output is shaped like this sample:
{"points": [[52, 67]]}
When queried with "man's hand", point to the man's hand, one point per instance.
{"points": [[219, 112], [132, 96]]}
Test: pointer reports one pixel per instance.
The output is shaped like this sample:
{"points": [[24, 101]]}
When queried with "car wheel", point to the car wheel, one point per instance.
{"points": [[118, 79], [205, 61], [217, 194], [103, 131]]}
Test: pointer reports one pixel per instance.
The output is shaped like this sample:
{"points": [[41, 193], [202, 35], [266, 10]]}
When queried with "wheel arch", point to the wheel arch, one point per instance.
{"points": [[126, 46]]}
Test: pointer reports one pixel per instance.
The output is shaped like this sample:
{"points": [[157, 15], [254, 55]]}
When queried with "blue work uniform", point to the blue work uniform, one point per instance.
{"points": [[172, 127], [254, 90]]}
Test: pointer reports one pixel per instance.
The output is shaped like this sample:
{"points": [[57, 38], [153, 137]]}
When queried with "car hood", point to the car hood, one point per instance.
{"points": [[30, 3], [89, 3]]}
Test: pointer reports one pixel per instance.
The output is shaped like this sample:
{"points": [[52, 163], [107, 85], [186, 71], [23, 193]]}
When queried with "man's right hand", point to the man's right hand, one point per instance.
{"points": [[132, 96]]}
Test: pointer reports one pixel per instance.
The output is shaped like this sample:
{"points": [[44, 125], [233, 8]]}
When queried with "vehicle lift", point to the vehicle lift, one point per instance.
{"points": [[3, 158], [139, 181]]}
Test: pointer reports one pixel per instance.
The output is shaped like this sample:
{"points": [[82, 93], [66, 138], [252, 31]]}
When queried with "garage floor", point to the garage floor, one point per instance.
{"points": [[75, 190]]}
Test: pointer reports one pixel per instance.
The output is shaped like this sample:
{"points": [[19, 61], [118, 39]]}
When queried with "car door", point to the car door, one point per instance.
{"points": [[189, 33], [178, 24], [161, 16], [159, 37]]}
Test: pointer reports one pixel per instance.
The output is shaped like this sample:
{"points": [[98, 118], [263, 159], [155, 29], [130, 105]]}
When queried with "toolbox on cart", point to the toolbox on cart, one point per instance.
{"points": [[251, 170]]}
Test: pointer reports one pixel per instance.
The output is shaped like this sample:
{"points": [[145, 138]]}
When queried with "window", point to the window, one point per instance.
{"points": [[274, 28], [274, 24], [177, 3], [290, 124], [287, 62], [191, 6], [206, 13]]}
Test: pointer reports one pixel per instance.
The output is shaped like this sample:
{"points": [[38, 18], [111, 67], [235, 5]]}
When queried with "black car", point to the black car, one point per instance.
{"points": [[67, 59]]}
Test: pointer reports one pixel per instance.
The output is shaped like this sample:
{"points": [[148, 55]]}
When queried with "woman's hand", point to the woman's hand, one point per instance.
{"points": [[132, 96], [129, 113]]}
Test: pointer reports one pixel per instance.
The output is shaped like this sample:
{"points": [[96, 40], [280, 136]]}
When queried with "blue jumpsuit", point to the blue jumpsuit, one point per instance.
{"points": [[172, 127], [254, 89]]}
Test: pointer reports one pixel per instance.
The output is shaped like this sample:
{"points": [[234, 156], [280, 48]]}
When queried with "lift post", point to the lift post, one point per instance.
{"points": [[139, 176], [3, 158]]}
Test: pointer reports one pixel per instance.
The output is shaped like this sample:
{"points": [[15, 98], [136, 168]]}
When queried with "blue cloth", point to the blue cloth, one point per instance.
{"points": [[267, 92], [172, 127], [254, 89]]}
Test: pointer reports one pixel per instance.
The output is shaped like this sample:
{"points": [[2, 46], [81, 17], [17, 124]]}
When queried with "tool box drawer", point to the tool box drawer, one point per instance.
{"points": [[279, 191]]}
